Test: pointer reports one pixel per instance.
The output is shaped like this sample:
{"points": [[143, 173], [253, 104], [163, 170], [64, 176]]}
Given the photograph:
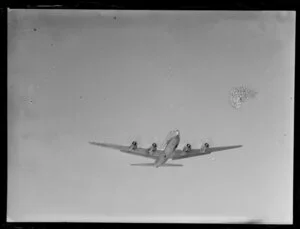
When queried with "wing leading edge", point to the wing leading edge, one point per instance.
{"points": [[126, 149], [179, 154]]}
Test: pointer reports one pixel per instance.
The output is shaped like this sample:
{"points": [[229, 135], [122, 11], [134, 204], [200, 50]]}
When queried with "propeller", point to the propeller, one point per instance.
{"points": [[207, 140], [155, 140], [210, 142], [134, 138]]}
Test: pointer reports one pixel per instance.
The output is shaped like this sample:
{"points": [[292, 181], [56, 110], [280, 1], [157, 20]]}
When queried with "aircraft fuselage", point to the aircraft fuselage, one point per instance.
{"points": [[169, 150]]}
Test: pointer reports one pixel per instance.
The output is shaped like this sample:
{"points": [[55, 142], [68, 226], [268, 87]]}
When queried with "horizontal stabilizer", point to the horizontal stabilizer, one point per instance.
{"points": [[170, 165], [152, 164], [143, 164]]}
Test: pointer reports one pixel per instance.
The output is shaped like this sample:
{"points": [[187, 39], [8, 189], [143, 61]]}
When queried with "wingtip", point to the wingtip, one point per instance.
{"points": [[96, 143]]}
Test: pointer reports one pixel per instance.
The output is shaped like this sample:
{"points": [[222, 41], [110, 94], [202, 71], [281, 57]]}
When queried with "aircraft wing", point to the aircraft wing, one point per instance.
{"points": [[179, 154], [126, 149]]}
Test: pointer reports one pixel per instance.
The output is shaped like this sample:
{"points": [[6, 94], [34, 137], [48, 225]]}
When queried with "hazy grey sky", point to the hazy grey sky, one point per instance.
{"points": [[111, 76]]}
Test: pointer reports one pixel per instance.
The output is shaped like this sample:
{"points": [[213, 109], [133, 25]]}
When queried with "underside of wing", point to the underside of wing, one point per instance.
{"points": [[109, 145], [180, 154], [152, 164], [128, 149], [143, 152], [220, 148]]}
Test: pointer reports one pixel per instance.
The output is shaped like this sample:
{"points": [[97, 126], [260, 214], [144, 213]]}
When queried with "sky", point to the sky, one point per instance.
{"points": [[118, 76]]}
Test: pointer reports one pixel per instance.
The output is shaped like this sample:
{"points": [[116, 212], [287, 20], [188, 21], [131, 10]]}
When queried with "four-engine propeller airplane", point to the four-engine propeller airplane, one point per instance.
{"points": [[169, 151]]}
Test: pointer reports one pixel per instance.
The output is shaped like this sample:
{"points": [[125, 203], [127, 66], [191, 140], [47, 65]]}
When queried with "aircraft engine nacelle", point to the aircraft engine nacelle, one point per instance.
{"points": [[204, 147], [153, 148], [187, 148], [133, 145]]}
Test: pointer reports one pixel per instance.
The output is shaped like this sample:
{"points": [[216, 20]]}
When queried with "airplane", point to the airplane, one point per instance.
{"points": [[169, 150]]}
